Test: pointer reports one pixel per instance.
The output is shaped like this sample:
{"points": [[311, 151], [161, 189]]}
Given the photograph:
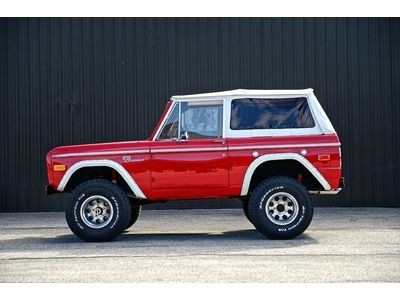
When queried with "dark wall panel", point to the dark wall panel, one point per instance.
{"points": [[83, 80]]}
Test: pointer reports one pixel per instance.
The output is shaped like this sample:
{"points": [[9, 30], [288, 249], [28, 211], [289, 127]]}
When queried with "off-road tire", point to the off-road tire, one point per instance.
{"points": [[121, 210], [277, 189], [135, 212]]}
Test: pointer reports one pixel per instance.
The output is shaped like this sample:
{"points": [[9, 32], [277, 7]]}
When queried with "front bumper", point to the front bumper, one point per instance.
{"points": [[50, 190]]}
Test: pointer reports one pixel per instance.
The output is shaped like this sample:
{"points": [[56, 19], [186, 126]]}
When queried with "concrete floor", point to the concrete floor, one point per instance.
{"points": [[341, 245]]}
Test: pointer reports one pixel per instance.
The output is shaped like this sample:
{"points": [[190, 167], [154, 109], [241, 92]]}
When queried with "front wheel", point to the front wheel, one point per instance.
{"points": [[280, 208], [97, 211]]}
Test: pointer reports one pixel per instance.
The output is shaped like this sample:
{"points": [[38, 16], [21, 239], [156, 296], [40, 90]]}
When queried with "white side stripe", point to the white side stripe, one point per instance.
{"points": [[283, 146], [101, 153], [255, 147], [189, 149]]}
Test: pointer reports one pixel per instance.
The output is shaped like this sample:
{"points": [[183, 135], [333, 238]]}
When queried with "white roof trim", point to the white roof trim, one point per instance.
{"points": [[241, 92]]}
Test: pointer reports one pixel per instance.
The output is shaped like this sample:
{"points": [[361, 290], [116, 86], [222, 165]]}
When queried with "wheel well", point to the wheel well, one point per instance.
{"points": [[87, 173], [289, 168]]}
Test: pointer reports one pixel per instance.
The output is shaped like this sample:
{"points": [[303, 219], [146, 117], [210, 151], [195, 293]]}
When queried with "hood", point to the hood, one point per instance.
{"points": [[104, 148]]}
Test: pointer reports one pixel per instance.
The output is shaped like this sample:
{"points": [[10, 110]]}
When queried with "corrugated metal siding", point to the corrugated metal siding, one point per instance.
{"points": [[72, 80]]}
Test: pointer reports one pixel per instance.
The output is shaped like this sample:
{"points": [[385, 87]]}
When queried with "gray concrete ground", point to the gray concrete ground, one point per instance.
{"points": [[341, 245]]}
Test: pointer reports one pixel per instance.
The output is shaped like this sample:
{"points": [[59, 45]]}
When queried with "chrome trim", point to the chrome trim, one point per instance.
{"points": [[288, 204], [97, 211], [331, 192], [179, 120], [101, 153]]}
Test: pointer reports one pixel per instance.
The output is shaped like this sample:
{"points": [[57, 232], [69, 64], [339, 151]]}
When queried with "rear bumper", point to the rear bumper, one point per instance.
{"points": [[331, 192]]}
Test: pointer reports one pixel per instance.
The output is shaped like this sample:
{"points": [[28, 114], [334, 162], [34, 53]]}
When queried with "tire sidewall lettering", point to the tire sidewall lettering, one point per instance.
{"points": [[302, 214], [76, 209], [116, 211], [261, 206]]}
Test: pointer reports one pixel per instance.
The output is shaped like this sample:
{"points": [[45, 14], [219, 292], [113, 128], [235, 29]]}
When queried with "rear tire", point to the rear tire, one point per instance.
{"points": [[97, 211], [280, 208]]}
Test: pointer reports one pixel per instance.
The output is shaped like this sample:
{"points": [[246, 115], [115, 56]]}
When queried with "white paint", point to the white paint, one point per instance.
{"points": [[322, 122], [242, 92], [102, 163], [96, 153], [282, 156]]}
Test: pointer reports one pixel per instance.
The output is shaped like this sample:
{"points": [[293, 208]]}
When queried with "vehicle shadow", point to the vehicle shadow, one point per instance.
{"points": [[239, 239], [248, 238]]}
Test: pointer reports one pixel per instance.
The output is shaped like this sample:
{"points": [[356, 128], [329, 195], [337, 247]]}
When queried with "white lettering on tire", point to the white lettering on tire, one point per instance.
{"points": [[75, 212], [299, 221], [265, 195], [117, 212]]}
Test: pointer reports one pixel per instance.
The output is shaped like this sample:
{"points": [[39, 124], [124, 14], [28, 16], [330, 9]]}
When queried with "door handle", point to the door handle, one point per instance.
{"points": [[219, 142]]}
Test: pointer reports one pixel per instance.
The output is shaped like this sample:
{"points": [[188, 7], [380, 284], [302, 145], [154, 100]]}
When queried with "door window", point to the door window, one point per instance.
{"points": [[201, 120]]}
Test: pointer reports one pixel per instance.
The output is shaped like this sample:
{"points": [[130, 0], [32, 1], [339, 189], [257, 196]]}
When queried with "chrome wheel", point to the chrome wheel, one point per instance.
{"points": [[281, 208], [97, 211]]}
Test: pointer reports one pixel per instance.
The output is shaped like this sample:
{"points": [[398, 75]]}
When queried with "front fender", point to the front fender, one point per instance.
{"points": [[102, 163]]}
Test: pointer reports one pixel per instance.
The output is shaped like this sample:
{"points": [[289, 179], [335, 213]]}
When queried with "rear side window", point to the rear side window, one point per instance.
{"points": [[282, 113]]}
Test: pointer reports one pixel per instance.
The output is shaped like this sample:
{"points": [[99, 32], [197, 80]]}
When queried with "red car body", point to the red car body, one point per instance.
{"points": [[198, 168]]}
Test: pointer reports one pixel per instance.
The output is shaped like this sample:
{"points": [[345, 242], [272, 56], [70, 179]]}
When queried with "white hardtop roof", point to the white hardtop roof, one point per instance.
{"points": [[241, 92], [322, 120]]}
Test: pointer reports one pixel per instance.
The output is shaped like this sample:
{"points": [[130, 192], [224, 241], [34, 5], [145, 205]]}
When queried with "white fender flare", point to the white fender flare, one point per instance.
{"points": [[281, 156], [102, 163]]}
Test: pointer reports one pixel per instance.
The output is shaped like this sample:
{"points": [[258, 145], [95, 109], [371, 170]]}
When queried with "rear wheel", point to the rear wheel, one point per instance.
{"points": [[280, 208], [97, 211]]}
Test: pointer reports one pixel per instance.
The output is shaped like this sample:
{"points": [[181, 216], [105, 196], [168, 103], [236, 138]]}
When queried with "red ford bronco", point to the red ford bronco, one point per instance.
{"points": [[269, 148]]}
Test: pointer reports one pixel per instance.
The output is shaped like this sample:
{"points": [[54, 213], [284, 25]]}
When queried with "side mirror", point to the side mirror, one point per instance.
{"points": [[184, 136]]}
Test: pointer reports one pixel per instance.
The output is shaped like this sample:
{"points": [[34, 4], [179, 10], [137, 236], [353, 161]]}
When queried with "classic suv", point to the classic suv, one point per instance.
{"points": [[269, 148]]}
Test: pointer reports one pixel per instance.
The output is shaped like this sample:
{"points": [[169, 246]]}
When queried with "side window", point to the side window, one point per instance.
{"points": [[201, 120], [281, 113], [170, 129]]}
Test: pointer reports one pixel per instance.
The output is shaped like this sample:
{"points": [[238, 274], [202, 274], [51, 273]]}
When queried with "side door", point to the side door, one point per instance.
{"points": [[189, 156]]}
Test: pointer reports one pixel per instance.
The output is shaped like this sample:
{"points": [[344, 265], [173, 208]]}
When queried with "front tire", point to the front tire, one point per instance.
{"points": [[280, 208], [97, 211], [135, 212], [245, 205]]}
